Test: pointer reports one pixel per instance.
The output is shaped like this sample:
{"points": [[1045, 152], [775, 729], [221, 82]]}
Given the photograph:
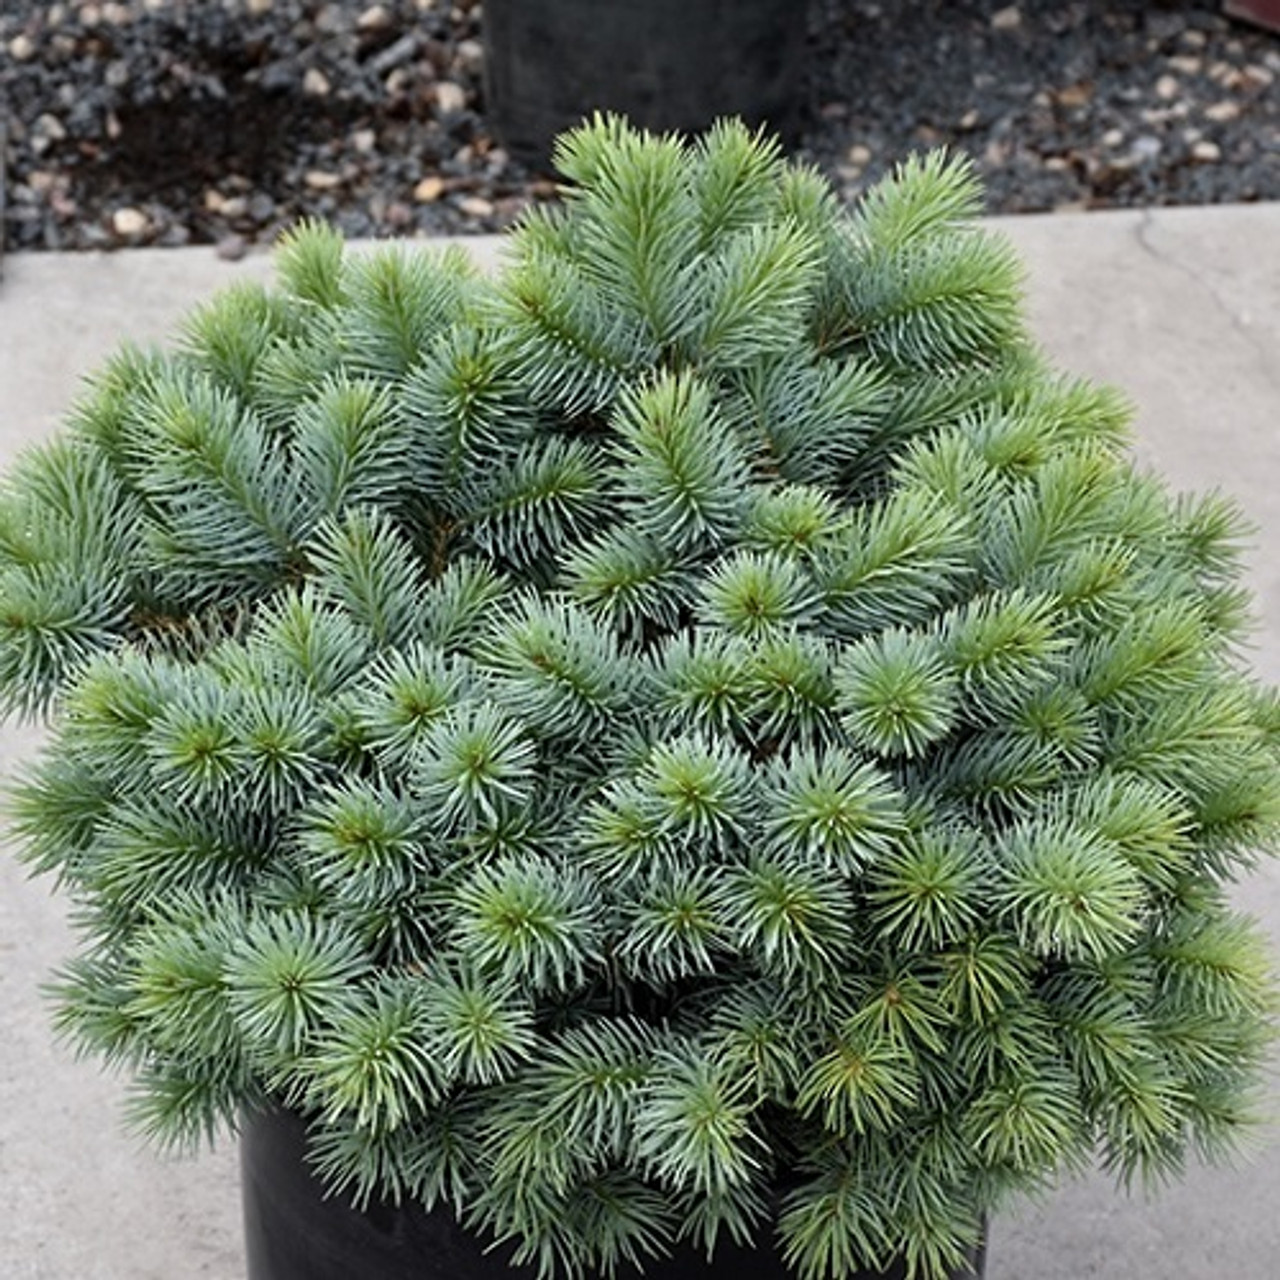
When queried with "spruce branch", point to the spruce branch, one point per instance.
{"points": [[683, 472]]}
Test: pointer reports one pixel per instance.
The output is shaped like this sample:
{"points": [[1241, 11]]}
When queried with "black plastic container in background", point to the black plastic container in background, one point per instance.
{"points": [[666, 64], [293, 1231]]}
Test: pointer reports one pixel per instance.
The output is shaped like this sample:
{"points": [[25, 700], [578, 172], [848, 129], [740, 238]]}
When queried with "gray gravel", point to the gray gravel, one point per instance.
{"points": [[1084, 105], [180, 121]]}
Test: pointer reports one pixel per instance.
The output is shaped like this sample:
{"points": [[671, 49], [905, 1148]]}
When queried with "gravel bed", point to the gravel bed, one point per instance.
{"points": [[220, 121]]}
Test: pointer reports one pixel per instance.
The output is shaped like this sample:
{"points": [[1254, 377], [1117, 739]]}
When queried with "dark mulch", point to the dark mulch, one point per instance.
{"points": [[178, 121]]}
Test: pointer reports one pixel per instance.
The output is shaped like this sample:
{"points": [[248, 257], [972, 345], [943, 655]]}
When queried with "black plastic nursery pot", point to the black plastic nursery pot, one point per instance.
{"points": [[667, 64], [294, 1231]]}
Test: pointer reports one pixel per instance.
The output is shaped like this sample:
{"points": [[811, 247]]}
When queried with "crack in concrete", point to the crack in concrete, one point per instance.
{"points": [[1266, 357]]}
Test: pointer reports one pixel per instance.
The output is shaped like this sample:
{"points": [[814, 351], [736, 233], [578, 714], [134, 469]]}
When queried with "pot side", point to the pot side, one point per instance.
{"points": [[667, 64], [295, 1231]]}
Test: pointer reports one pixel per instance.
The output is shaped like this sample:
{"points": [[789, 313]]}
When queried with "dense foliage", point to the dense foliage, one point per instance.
{"points": [[699, 732]]}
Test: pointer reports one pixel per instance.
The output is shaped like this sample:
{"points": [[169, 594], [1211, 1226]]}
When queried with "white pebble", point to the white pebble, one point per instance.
{"points": [[129, 222], [316, 83], [49, 126], [471, 55], [398, 81], [429, 190], [475, 206], [375, 18], [450, 97]]}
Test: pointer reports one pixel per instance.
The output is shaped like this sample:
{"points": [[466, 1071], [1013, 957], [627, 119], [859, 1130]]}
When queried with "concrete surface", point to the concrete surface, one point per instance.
{"points": [[1180, 307]]}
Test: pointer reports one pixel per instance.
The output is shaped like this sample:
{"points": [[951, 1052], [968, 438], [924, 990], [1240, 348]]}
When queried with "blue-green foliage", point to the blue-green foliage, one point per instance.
{"points": [[700, 734]]}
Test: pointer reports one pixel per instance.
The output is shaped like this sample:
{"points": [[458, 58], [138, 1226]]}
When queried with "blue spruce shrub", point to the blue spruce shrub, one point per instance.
{"points": [[700, 733]]}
